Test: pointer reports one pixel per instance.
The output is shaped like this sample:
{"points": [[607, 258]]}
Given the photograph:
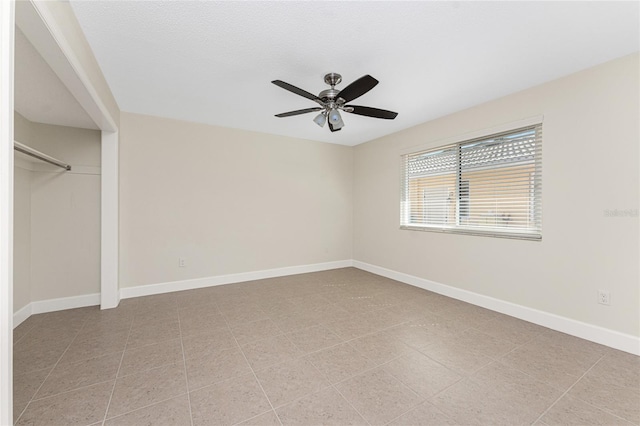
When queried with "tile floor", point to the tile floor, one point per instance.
{"points": [[341, 347]]}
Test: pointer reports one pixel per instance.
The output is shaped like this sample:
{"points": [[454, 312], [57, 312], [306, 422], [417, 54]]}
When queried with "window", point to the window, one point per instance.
{"points": [[489, 186]]}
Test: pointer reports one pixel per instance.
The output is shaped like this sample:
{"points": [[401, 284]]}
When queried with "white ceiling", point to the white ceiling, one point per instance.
{"points": [[39, 95], [212, 61]]}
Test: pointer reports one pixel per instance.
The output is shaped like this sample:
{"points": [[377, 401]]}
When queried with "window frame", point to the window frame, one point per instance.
{"points": [[524, 234]]}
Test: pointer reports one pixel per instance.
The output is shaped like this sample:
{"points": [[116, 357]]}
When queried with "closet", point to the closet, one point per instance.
{"points": [[56, 192]]}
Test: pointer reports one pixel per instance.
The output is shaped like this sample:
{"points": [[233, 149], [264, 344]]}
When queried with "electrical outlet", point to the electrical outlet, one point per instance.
{"points": [[604, 297], [182, 262]]}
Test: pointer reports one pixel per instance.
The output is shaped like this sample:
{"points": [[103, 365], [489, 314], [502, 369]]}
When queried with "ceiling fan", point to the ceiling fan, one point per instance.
{"points": [[332, 101]]}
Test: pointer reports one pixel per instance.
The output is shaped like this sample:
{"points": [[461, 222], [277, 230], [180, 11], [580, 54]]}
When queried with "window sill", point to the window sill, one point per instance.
{"points": [[477, 232]]}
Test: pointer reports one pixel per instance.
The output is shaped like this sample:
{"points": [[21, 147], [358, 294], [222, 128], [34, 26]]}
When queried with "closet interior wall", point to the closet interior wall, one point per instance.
{"points": [[56, 215]]}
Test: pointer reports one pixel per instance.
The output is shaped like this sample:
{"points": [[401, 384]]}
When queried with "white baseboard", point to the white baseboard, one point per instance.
{"points": [[52, 305], [594, 333], [607, 337], [150, 289], [21, 315]]}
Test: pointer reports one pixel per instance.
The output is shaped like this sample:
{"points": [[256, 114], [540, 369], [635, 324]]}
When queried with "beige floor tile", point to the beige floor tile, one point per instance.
{"points": [[202, 326], [297, 320], [512, 329], [267, 419], [330, 313], [32, 358], [245, 314], [274, 307], [151, 356], [66, 377], [359, 304], [469, 351], [197, 300], [110, 325], [380, 347], [87, 346], [216, 366], [557, 361], [148, 387], [235, 304], [270, 351], [198, 346], [618, 368], [424, 414], [25, 387], [326, 407], [45, 335], [410, 311], [469, 315], [496, 395], [384, 318], [251, 331], [425, 330], [314, 338], [174, 412], [21, 330], [309, 302], [151, 333], [66, 317], [571, 411], [228, 402], [475, 366], [598, 390], [193, 310], [290, 380], [155, 317], [80, 407], [456, 356], [351, 328], [378, 396], [340, 362], [421, 374]]}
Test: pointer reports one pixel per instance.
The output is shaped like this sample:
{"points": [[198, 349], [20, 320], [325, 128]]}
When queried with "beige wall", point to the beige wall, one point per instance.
{"points": [[228, 201], [57, 215], [590, 164], [21, 238]]}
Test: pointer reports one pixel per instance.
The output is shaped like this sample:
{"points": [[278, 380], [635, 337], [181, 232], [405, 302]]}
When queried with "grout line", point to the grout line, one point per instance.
{"points": [[140, 408], [567, 391], [52, 368], [349, 402], [254, 417], [104, 419], [184, 363], [251, 367]]}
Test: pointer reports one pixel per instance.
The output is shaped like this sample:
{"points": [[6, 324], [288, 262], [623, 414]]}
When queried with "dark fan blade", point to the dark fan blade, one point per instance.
{"points": [[332, 129], [372, 112], [294, 89], [298, 112], [357, 88]]}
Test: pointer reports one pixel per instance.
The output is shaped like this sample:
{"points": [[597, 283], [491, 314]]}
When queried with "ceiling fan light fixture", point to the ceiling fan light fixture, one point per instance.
{"points": [[335, 119], [321, 119]]}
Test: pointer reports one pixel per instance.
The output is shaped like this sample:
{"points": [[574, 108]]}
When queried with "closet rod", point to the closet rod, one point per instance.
{"points": [[39, 155]]}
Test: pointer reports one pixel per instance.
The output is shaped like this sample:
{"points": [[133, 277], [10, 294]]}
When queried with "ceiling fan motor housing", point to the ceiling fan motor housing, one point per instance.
{"points": [[328, 94]]}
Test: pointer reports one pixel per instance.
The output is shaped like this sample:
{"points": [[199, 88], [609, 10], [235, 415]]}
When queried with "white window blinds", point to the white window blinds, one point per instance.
{"points": [[488, 186]]}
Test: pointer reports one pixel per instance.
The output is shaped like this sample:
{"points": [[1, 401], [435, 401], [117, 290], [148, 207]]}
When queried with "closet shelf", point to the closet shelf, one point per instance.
{"points": [[39, 155]]}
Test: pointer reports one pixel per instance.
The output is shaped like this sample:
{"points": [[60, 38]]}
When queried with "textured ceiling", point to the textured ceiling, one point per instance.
{"points": [[39, 95], [212, 62]]}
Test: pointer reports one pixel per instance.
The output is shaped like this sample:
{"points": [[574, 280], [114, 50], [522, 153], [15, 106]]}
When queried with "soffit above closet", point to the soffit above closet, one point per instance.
{"points": [[212, 61], [39, 95]]}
